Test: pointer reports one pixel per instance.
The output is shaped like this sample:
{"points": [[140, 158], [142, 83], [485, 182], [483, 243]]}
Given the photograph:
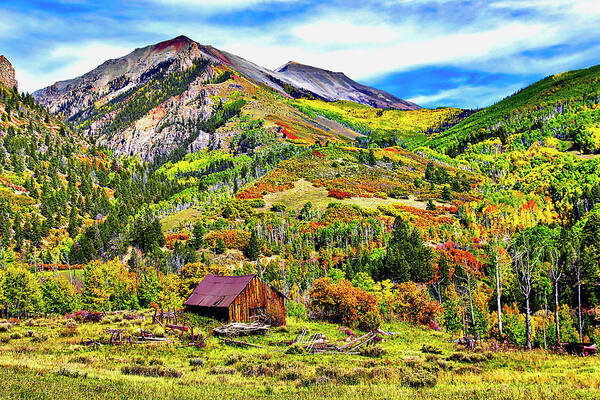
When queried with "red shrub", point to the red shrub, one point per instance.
{"points": [[85, 316], [339, 194]]}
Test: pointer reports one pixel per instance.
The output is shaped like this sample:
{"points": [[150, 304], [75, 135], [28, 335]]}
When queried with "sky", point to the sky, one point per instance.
{"points": [[465, 54]]}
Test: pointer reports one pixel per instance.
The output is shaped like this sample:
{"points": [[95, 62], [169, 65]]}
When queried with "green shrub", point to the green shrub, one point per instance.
{"points": [[296, 310], [291, 374], [436, 362], [370, 320], [468, 369], [39, 337], [153, 371], [278, 207], [71, 373], [233, 358], [470, 357], [256, 203], [83, 359], [513, 324], [372, 351], [419, 379], [196, 362], [431, 349], [295, 349]]}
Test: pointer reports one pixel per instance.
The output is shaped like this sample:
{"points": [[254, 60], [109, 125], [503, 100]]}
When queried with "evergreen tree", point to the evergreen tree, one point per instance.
{"points": [[253, 250], [452, 311], [446, 193], [220, 249], [198, 233], [371, 159], [407, 258], [431, 206]]}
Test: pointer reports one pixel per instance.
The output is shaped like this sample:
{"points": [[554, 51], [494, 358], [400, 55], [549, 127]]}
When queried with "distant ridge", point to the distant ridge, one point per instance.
{"points": [[334, 86]]}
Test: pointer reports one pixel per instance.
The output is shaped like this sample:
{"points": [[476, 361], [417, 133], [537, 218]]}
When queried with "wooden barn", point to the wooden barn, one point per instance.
{"points": [[237, 299]]}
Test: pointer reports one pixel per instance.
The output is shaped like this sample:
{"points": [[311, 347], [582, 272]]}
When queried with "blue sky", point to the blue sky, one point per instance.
{"points": [[434, 52]]}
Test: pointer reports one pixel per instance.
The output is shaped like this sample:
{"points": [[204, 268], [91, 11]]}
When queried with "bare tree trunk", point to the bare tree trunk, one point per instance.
{"points": [[471, 301], [524, 262], [556, 317], [579, 318], [527, 324], [545, 319], [498, 295], [69, 266]]}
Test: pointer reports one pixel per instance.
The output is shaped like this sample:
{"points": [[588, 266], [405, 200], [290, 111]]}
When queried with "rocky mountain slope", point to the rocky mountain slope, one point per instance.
{"points": [[332, 86], [160, 99], [7, 73]]}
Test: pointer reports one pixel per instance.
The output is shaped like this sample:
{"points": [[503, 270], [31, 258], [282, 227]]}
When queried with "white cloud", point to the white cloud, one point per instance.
{"points": [[82, 57], [364, 45], [387, 56], [469, 96], [6, 24], [216, 5], [348, 32], [565, 6], [365, 42]]}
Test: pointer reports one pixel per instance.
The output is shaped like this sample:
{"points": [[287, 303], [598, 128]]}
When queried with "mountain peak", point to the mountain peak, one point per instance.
{"points": [[178, 43], [296, 66], [7, 73]]}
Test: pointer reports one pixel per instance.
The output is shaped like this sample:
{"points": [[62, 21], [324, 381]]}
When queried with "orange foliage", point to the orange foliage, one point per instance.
{"points": [[338, 194], [457, 256], [426, 218], [59, 267], [278, 180], [341, 213], [344, 304], [528, 206], [13, 186], [176, 237], [233, 238], [411, 302]]}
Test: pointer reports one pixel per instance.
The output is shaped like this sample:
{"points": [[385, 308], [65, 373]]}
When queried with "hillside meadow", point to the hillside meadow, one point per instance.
{"points": [[47, 359]]}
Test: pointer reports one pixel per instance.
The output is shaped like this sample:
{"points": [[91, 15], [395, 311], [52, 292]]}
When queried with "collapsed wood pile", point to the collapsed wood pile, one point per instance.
{"points": [[318, 343], [579, 349], [241, 329]]}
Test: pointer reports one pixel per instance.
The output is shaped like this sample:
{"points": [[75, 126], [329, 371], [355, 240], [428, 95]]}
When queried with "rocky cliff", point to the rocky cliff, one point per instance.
{"points": [[7, 73]]}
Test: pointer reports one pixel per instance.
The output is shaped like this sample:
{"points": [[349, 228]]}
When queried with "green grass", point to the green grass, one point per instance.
{"points": [[304, 191], [408, 126], [51, 363]]}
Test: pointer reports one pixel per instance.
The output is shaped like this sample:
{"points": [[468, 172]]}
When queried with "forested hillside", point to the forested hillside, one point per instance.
{"points": [[560, 106], [488, 221]]}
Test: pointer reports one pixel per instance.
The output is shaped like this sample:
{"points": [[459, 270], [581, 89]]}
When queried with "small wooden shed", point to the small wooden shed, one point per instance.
{"points": [[237, 299]]}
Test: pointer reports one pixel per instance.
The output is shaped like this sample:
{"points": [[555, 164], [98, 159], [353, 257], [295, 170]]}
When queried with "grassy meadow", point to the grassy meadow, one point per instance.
{"points": [[46, 359]]}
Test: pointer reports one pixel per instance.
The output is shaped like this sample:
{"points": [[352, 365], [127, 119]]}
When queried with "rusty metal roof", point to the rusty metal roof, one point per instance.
{"points": [[218, 291]]}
